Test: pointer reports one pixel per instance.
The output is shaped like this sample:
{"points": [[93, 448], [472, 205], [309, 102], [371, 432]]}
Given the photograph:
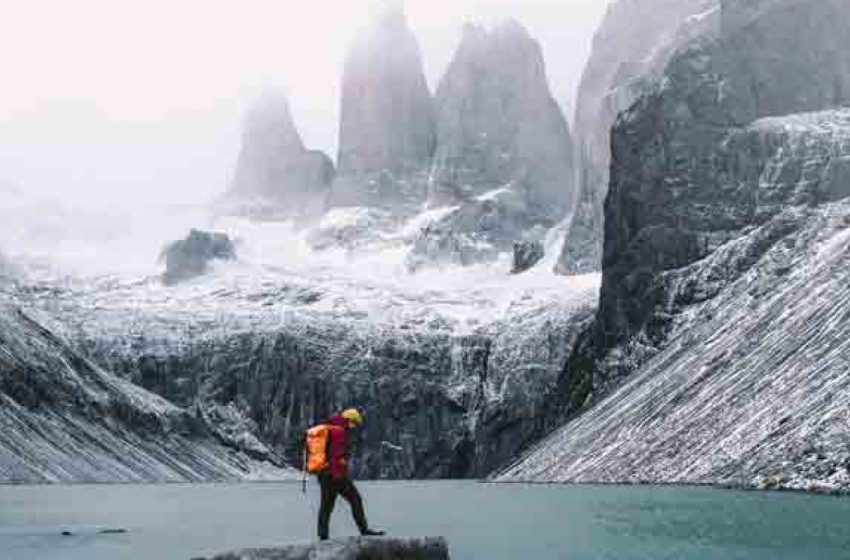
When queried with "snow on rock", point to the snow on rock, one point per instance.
{"points": [[752, 388], [452, 365], [66, 420], [718, 353]]}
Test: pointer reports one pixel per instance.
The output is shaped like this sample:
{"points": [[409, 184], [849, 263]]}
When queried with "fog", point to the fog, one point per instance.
{"points": [[124, 103]]}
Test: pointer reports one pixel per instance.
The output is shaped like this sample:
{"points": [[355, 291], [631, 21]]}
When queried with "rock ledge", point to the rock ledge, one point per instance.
{"points": [[357, 548]]}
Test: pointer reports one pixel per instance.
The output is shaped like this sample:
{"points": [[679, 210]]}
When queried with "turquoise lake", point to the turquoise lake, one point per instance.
{"points": [[481, 521]]}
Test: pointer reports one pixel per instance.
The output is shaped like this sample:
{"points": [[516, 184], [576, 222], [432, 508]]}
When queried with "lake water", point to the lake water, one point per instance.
{"points": [[481, 521]]}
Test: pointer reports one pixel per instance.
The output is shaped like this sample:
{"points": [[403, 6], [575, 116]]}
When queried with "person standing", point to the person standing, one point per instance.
{"points": [[327, 454]]}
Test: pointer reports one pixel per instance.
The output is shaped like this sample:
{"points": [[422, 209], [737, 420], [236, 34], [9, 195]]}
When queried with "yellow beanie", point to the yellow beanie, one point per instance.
{"points": [[353, 415]]}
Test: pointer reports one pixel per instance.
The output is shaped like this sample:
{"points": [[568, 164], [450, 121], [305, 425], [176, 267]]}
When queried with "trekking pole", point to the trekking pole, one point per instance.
{"points": [[304, 472]]}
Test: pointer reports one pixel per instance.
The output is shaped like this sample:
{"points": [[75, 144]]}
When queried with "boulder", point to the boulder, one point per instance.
{"points": [[526, 255], [190, 257], [362, 548]]}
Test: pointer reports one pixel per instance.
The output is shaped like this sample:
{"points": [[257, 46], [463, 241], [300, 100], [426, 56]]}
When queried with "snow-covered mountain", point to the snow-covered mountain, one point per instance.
{"points": [[719, 353], [713, 350]]}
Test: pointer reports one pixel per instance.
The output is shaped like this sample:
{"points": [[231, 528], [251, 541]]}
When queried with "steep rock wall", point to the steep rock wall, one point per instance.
{"points": [[707, 194], [66, 420], [439, 403], [630, 51]]}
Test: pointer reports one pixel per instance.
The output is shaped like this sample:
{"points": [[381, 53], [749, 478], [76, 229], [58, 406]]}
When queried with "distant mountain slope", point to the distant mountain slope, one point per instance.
{"points": [[62, 419]]}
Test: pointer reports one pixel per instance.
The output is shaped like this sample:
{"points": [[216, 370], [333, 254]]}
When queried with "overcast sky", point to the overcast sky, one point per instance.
{"points": [[122, 101]]}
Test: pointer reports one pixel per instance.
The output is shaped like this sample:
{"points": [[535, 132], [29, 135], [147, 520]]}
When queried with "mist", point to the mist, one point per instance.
{"points": [[110, 104]]}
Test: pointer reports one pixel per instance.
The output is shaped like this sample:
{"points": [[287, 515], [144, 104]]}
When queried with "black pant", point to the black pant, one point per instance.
{"points": [[345, 488]]}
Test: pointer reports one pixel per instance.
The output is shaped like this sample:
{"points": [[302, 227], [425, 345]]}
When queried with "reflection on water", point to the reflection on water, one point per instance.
{"points": [[481, 521]]}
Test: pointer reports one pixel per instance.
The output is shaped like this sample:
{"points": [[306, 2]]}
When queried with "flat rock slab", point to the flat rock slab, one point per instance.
{"points": [[360, 548]]}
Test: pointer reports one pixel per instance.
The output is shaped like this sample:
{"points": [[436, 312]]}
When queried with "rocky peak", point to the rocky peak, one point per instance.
{"points": [[504, 153], [270, 121], [497, 123], [275, 173], [387, 122]]}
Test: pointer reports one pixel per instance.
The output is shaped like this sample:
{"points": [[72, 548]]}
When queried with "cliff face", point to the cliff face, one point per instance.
{"points": [[276, 175], [504, 153], [686, 178], [387, 125], [439, 403], [722, 270], [750, 388], [630, 51], [66, 420]]}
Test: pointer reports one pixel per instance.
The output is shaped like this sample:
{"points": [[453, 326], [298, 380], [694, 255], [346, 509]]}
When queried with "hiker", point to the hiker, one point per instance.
{"points": [[326, 454]]}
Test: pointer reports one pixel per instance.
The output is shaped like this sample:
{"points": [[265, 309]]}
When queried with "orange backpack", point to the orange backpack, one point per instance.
{"points": [[316, 449]]}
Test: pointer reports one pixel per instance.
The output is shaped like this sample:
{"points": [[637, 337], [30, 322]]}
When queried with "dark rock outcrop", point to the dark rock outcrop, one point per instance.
{"points": [[386, 138], [190, 257], [630, 51], [526, 255], [504, 153], [66, 420], [276, 175], [350, 549], [725, 230]]}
